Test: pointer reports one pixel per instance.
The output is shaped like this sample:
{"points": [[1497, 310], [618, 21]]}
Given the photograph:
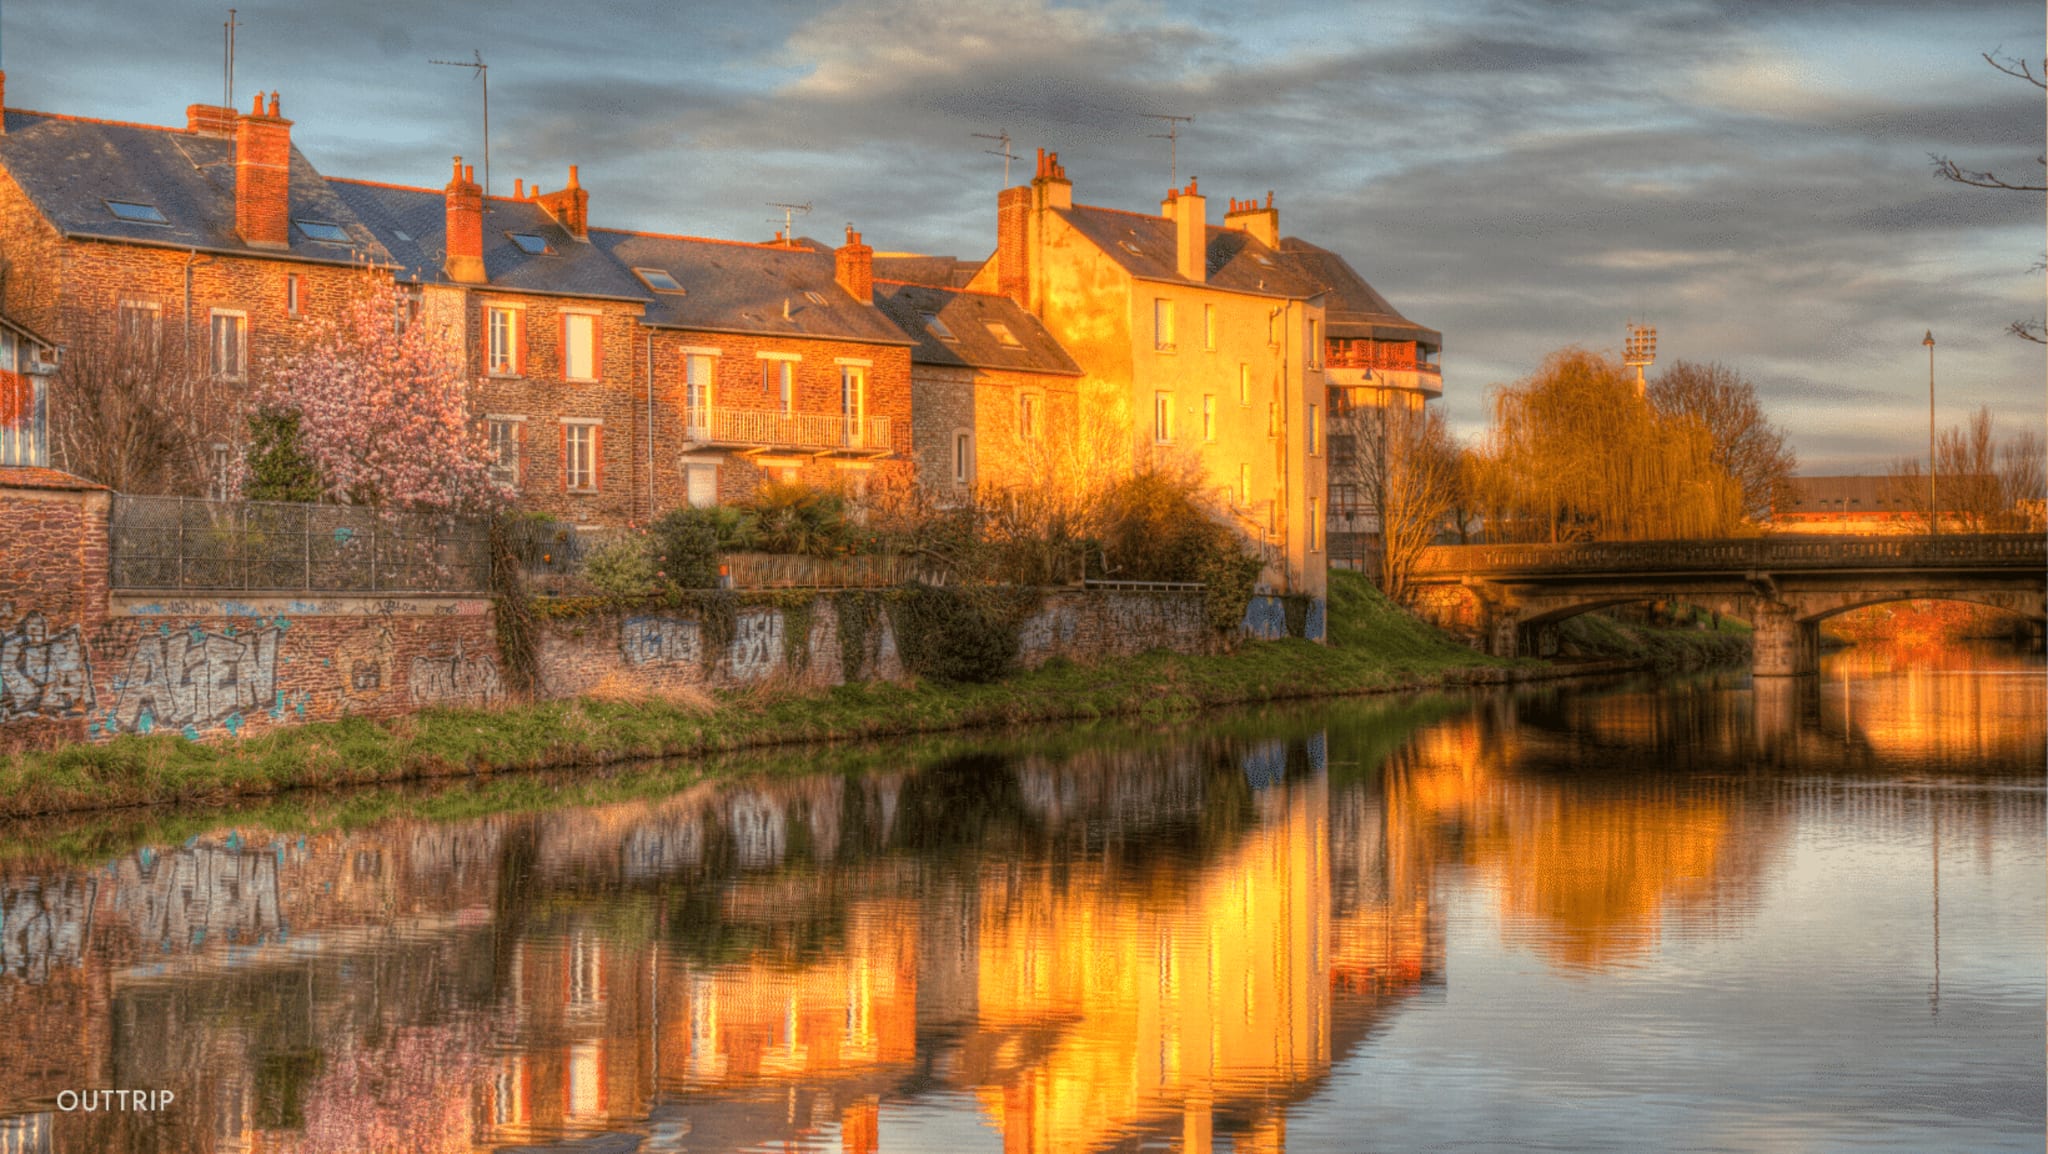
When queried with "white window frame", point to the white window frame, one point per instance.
{"points": [[572, 319], [1030, 415], [1315, 430], [588, 426], [963, 456], [220, 462], [1210, 323], [503, 361], [1315, 343], [1165, 323], [294, 294], [1244, 384], [853, 401], [693, 470], [1209, 417], [699, 394], [514, 425], [1162, 417], [785, 379], [154, 313], [213, 343], [1315, 525]]}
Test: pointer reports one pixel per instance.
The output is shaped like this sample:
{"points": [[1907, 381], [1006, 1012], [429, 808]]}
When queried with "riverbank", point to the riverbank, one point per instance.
{"points": [[1374, 648]]}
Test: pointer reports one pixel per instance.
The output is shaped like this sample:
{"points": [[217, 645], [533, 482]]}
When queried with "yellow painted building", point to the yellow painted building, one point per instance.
{"points": [[1197, 343]]}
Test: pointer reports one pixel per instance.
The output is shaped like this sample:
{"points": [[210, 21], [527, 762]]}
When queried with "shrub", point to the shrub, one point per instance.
{"points": [[684, 546], [277, 467], [621, 568], [1155, 525], [787, 518], [952, 635]]}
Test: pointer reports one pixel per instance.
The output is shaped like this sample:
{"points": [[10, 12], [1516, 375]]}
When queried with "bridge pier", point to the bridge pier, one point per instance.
{"points": [[1782, 645]]}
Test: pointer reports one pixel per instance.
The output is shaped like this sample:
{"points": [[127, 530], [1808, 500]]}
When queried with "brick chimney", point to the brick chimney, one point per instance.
{"points": [[3, 103], [263, 180], [210, 120], [465, 242], [1019, 225], [1249, 216], [853, 266], [1187, 208], [570, 206]]}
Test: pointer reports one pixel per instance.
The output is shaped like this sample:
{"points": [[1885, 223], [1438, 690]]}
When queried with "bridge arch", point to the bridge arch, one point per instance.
{"points": [[1816, 608]]}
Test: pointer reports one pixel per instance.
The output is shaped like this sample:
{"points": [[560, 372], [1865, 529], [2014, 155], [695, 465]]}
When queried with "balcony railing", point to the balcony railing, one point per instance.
{"points": [[1341, 358], [770, 429]]}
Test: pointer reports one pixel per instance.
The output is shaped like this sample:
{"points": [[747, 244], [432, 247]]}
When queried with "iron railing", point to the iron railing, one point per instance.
{"points": [[184, 543], [1758, 554]]}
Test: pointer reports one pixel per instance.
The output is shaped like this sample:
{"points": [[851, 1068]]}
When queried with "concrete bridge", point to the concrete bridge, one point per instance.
{"points": [[1783, 585]]}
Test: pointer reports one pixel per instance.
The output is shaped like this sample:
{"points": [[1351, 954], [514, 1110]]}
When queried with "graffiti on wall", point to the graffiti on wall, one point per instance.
{"points": [[181, 899], [661, 641], [1265, 618], [43, 674], [192, 679], [44, 924], [756, 649], [458, 678], [364, 664]]}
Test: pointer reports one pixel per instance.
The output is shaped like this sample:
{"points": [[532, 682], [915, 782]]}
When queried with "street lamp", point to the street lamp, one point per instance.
{"points": [[1933, 515]]}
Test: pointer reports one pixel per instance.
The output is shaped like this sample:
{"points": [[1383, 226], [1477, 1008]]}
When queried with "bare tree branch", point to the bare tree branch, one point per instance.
{"points": [[1948, 169], [2019, 69]]}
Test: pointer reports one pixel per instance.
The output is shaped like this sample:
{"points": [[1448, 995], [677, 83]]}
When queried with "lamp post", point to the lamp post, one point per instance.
{"points": [[1933, 514]]}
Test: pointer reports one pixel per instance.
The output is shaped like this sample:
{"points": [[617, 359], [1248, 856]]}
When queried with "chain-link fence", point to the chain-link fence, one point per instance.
{"points": [[212, 546]]}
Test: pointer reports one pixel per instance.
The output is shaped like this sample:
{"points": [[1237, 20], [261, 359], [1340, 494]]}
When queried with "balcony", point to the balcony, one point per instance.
{"points": [[719, 426], [1338, 356]]}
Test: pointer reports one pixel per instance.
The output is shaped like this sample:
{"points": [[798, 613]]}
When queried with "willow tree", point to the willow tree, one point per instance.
{"points": [[1746, 443], [1576, 453]]}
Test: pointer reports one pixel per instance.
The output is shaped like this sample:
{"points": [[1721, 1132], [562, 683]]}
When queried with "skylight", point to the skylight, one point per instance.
{"points": [[1002, 333], [321, 230], [403, 235], [531, 244], [659, 280], [938, 327], [815, 297], [1263, 259], [135, 213], [1128, 247]]}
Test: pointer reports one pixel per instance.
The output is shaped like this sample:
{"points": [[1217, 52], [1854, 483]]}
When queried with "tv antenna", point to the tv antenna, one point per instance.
{"points": [[483, 75], [227, 65], [789, 214], [1171, 136], [1639, 351], [1003, 151]]}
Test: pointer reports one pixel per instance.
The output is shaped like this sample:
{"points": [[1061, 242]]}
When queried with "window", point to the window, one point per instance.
{"points": [[1315, 431], [698, 369], [1162, 325], [1244, 384], [506, 435], [1244, 484], [853, 402], [1209, 327], [1273, 328], [531, 244], [406, 309], [659, 280], [323, 231], [938, 327], [701, 484], [1001, 332], [579, 347], [142, 323], [1029, 424], [1315, 525], [1162, 417], [1344, 500], [963, 457], [1272, 418], [1208, 416], [230, 345], [778, 381], [291, 293], [507, 343], [135, 213], [220, 479], [814, 296], [580, 443], [1315, 343]]}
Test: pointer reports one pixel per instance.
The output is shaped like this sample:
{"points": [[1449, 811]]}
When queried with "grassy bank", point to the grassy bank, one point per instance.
{"points": [[1597, 636], [1375, 648]]}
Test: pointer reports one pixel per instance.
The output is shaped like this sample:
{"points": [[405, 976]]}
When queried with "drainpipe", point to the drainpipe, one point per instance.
{"points": [[1281, 407], [650, 425]]}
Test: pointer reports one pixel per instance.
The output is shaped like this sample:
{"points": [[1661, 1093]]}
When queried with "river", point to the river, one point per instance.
{"points": [[1639, 914]]}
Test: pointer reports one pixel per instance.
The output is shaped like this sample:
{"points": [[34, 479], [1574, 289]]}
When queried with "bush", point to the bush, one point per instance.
{"points": [[684, 546], [785, 518], [620, 568], [1155, 525], [952, 635], [276, 463]]}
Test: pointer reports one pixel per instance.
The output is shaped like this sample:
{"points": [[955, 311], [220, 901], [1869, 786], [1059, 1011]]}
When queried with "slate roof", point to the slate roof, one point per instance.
{"points": [[70, 168], [967, 316], [734, 286], [1841, 494], [412, 223], [1353, 309], [938, 271]]}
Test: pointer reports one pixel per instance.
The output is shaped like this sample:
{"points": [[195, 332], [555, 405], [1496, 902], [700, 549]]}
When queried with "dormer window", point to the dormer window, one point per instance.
{"points": [[134, 213], [938, 327], [532, 244], [659, 280], [1001, 332], [323, 231]]}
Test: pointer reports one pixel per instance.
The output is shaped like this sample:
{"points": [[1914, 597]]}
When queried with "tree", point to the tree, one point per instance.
{"points": [[1984, 483], [129, 413], [276, 461], [1948, 169], [1746, 444], [381, 408], [1408, 474]]}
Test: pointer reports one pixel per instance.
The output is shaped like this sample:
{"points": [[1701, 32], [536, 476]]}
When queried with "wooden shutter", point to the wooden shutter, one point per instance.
{"points": [[565, 458], [597, 347], [597, 457]]}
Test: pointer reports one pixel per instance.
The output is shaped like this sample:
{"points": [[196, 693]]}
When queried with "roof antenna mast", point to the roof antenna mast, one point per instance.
{"points": [[1002, 150], [227, 66], [789, 215], [1172, 138], [483, 75]]}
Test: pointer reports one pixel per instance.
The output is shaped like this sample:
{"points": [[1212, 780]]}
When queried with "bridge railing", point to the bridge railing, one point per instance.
{"points": [[1765, 554]]}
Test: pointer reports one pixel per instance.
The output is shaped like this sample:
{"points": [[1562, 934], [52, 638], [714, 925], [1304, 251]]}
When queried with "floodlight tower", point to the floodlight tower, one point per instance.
{"points": [[1639, 351]]}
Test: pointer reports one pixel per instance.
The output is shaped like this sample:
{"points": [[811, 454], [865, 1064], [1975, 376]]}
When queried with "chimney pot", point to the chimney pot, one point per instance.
{"points": [[274, 113], [258, 109], [572, 177], [518, 189], [570, 206]]}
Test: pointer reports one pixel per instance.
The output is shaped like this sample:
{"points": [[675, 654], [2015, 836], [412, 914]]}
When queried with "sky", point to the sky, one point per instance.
{"points": [[1751, 176]]}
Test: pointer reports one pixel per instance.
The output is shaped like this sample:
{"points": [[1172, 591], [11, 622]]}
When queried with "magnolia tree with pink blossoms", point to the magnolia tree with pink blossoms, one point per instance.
{"points": [[382, 412]]}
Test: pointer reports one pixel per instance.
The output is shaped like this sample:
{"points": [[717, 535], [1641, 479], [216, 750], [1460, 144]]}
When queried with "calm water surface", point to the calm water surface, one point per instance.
{"points": [[1685, 914]]}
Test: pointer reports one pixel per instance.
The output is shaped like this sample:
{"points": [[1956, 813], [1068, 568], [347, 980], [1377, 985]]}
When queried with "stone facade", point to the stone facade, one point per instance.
{"points": [[987, 406]]}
